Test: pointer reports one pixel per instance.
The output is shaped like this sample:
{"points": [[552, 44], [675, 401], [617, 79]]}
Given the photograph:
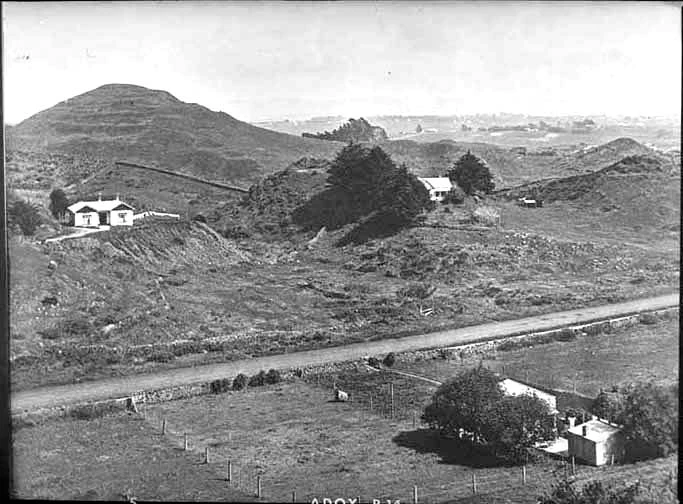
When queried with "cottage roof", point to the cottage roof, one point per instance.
{"points": [[597, 430], [99, 206], [517, 387], [437, 183]]}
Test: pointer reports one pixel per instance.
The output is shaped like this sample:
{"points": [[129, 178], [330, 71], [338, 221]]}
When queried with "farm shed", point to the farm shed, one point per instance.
{"points": [[515, 388], [596, 442], [100, 213], [438, 187]]}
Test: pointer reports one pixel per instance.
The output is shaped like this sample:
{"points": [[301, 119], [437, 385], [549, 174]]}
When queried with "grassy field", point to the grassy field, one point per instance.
{"points": [[299, 440], [104, 458], [638, 353]]}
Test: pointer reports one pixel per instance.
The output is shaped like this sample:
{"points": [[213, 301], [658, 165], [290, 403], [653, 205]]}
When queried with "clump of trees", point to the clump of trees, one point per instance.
{"points": [[471, 174], [365, 187], [473, 408], [648, 413]]}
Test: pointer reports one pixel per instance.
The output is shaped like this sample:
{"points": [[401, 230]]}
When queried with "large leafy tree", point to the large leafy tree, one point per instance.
{"points": [[473, 407], [650, 420], [471, 174], [58, 202], [463, 403], [517, 423]]}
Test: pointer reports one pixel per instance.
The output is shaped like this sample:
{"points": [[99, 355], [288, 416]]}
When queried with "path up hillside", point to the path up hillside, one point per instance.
{"points": [[136, 124]]}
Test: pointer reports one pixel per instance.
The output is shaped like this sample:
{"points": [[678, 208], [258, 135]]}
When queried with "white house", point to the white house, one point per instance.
{"points": [[438, 187], [100, 213], [596, 442], [515, 388]]}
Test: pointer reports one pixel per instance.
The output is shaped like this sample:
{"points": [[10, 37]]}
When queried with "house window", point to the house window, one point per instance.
{"points": [[122, 216]]}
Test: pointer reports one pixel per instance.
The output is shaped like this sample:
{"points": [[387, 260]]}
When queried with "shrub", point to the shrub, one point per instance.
{"points": [[486, 215], [220, 386], [160, 355], [566, 335], [390, 359], [240, 382], [25, 216], [647, 318], [258, 380], [455, 196], [273, 376], [374, 362]]}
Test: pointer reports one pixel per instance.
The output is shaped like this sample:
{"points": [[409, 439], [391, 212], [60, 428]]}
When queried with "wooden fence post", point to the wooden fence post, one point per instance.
{"points": [[612, 460], [258, 486], [370, 402], [229, 470], [185, 443], [415, 494], [294, 496], [163, 427], [391, 388], [524, 474], [414, 420], [206, 455], [573, 466], [474, 484]]}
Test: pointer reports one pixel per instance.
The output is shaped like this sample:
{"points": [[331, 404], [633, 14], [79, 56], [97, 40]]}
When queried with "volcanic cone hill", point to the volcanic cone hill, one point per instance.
{"points": [[133, 123]]}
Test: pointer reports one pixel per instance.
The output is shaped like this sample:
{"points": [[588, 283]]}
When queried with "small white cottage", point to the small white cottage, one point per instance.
{"points": [[438, 187], [596, 442], [100, 213]]}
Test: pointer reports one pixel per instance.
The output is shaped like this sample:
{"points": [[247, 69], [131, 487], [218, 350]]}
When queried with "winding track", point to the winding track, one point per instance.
{"points": [[45, 397]]}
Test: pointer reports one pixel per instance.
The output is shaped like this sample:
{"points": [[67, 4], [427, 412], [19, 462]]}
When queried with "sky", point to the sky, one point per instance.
{"points": [[262, 61]]}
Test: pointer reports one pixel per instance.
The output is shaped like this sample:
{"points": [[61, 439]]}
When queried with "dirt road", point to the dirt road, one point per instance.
{"points": [[30, 400]]}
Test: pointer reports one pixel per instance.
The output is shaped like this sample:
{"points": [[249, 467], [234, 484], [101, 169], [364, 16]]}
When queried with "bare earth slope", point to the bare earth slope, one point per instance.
{"points": [[133, 123]]}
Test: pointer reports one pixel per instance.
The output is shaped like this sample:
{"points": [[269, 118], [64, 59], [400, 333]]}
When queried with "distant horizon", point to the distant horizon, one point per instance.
{"points": [[672, 117], [261, 61]]}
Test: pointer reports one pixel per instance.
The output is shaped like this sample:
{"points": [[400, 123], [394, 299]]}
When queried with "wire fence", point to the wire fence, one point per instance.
{"points": [[386, 398]]}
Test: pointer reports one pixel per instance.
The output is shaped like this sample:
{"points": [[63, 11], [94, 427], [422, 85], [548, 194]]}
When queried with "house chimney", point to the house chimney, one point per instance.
{"points": [[584, 430], [572, 421], [99, 196], [117, 197]]}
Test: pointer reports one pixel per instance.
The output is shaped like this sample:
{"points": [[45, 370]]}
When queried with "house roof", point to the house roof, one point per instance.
{"points": [[598, 430], [512, 387], [99, 206], [437, 183]]}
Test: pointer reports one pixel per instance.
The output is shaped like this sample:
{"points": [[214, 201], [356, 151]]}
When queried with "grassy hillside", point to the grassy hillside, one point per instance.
{"points": [[133, 123], [511, 167], [637, 200]]}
